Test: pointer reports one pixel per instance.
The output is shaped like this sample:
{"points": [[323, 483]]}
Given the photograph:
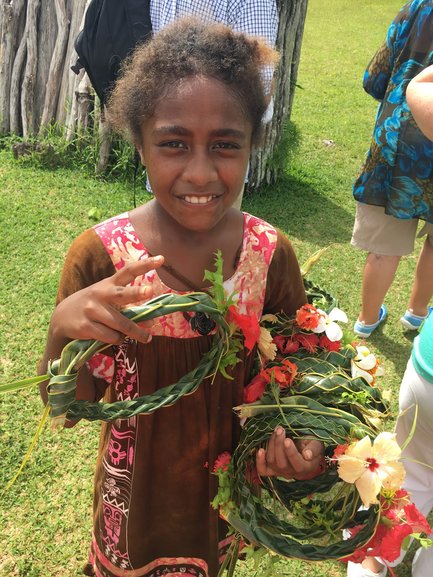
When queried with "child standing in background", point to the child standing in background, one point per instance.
{"points": [[192, 102]]}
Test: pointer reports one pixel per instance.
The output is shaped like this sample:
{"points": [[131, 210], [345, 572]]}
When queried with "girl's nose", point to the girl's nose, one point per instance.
{"points": [[200, 169]]}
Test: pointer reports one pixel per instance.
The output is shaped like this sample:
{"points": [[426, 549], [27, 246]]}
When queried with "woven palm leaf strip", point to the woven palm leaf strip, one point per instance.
{"points": [[305, 519], [63, 372]]}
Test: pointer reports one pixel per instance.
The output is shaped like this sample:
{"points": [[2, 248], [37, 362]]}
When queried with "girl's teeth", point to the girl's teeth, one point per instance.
{"points": [[198, 199]]}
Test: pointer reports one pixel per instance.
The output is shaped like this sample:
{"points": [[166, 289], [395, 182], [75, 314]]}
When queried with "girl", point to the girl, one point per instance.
{"points": [[192, 101]]}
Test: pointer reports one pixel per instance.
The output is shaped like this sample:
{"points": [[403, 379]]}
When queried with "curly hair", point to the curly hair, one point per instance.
{"points": [[188, 48]]}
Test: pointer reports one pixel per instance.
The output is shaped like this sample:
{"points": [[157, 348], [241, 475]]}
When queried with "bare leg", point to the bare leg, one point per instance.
{"points": [[422, 289], [372, 564], [379, 271]]}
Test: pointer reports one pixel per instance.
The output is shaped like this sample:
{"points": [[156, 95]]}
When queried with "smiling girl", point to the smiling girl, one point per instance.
{"points": [[192, 101]]}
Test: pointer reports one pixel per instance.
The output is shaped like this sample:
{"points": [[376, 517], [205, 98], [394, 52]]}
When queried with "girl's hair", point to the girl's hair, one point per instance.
{"points": [[187, 48]]}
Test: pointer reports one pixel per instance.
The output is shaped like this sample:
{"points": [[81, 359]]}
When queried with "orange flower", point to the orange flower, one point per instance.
{"points": [[283, 374], [308, 317]]}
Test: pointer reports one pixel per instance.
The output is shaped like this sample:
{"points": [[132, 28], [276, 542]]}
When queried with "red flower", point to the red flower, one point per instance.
{"points": [[291, 346], [255, 389], [307, 317], [402, 520], [416, 520], [222, 462], [280, 341], [286, 345], [283, 374], [339, 450], [248, 324], [325, 343], [309, 342], [391, 542]]}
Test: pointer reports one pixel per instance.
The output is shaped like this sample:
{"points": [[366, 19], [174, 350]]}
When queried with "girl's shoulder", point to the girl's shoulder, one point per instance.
{"points": [[265, 234], [120, 239]]}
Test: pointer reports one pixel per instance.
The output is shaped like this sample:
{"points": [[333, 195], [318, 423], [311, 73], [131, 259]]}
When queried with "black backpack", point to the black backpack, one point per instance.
{"points": [[112, 28]]}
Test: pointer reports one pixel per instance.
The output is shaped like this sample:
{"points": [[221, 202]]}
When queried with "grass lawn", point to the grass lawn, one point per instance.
{"points": [[45, 519]]}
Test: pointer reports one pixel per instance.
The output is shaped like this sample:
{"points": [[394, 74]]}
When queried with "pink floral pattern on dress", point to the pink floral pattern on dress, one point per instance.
{"points": [[248, 283], [259, 241]]}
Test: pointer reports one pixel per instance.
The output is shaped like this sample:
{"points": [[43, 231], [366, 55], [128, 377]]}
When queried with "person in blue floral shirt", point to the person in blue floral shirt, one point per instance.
{"points": [[394, 190]]}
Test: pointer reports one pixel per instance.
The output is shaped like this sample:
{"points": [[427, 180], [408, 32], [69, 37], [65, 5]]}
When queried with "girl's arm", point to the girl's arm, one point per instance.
{"points": [[93, 312], [419, 96]]}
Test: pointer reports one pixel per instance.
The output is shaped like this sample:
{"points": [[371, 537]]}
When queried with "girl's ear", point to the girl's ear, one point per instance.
{"points": [[139, 149]]}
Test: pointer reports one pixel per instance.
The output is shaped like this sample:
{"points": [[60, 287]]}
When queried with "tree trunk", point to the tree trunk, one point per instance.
{"points": [[37, 86], [56, 65], [10, 16], [292, 15]]}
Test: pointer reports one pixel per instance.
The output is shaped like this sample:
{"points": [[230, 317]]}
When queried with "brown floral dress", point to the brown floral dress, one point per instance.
{"points": [[153, 481]]}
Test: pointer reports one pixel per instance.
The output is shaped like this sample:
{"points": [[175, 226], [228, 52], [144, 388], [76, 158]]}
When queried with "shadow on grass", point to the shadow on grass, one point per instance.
{"points": [[395, 350], [299, 208]]}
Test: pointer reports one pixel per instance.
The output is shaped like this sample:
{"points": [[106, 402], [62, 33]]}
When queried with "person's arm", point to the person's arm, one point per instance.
{"points": [[379, 69], [419, 96], [90, 297]]}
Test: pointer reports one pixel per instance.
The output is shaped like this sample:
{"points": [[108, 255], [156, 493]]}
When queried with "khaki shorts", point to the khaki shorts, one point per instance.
{"points": [[380, 233]]}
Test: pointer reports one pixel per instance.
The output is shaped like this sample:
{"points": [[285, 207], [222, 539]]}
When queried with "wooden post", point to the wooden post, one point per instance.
{"points": [[56, 65]]}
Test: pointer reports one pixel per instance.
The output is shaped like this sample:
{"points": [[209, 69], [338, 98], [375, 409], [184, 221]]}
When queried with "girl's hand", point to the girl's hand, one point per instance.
{"points": [[94, 312], [285, 458]]}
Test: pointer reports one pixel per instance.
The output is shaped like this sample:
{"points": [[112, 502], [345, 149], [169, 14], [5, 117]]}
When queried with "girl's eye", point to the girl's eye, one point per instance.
{"points": [[172, 144], [227, 145]]}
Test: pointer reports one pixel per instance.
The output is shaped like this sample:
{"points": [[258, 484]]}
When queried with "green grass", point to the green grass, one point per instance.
{"points": [[45, 519]]}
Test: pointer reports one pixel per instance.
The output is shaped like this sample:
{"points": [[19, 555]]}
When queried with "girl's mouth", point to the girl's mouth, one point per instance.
{"points": [[202, 199]]}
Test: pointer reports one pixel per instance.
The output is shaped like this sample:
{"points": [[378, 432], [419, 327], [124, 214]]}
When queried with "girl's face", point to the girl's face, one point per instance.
{"points": [[196, 148]]}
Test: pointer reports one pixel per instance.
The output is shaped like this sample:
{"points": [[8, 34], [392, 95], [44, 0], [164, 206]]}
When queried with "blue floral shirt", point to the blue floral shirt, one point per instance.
{"points": [[398, 170]]}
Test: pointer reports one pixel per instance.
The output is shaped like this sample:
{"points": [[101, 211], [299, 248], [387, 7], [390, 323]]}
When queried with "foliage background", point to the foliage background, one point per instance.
{"points": [[45, 519]]}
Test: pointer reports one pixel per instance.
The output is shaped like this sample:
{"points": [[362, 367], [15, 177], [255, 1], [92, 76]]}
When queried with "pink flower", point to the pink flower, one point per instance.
{"points": [[222, 462]]}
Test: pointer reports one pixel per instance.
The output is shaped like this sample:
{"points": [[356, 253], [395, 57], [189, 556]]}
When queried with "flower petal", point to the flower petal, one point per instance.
{"points": [[338, 315], [321, 325], [266, 346], [367, 362], [358, 372], [350, 469], [386, 448], [368, 486], [361, 449], [334, 332]]}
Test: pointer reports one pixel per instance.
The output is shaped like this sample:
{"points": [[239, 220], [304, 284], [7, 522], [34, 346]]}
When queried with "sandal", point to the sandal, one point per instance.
{"points": [[362, 330]]}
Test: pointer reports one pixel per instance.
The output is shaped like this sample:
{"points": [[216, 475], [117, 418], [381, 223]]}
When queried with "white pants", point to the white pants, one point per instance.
{"points": [[415, 390]]}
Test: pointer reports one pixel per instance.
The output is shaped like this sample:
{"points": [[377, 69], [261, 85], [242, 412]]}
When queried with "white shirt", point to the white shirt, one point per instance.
{"points": [[252, 17]]}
